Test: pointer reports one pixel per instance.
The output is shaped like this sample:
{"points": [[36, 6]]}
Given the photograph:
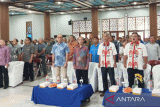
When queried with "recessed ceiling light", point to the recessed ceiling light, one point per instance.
{"points": [[62, 12], [49, 11], [76, 8], [102, 6], [29, 6], [135, 3], [29, 11], [59, 2]]}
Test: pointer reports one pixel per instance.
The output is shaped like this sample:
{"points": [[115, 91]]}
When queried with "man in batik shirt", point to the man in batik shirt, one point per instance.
{"points": [[136, 53], [81, 61], [60, 52], [4, 64]]}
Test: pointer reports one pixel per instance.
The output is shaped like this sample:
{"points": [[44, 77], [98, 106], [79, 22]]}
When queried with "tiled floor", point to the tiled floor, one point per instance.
{"points": [[20, 96]]}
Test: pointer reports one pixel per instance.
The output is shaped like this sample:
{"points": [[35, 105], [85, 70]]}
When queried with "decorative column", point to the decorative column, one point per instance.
{"points": [[4, 21], [47, 29], [95, 22], [153, 19]]}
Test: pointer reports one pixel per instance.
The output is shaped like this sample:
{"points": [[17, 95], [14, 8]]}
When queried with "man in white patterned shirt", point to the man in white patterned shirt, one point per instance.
{"points": [[107, 61], [136, 53]]}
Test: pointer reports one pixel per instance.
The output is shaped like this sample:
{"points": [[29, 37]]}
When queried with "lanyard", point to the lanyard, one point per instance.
{"points": [[106, 50], [105, 57], [133, 54], [133, 57]]}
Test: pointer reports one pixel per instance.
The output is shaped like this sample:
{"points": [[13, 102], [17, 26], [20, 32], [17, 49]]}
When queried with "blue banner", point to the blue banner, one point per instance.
{"points": [[121, 99]]}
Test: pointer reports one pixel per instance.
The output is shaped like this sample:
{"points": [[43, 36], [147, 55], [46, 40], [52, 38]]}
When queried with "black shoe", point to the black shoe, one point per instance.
{"points": [[25, 79], [102, 94], [38, 75], [45, 75], [31, 80], [5, 87]]}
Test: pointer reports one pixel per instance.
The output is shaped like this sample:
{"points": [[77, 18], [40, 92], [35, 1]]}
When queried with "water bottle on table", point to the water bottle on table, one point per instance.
{"points": [[74, 80], [135, 82], [47, 78], [150, 85], [58, 79], [117, 81]]}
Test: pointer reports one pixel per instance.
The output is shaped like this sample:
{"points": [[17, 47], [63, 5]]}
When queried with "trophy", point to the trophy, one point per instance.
{"points": [[81, 81]]}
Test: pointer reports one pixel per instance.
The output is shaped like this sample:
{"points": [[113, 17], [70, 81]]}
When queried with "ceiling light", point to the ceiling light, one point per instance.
{"points": [[29, 6], [59, 2], [135, 3], [102, 6], [76, 8], [29, 11], [49, 11], [62, 12]]}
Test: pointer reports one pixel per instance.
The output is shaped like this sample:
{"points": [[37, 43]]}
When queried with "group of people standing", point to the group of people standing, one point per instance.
{"points": [[106, 52]]}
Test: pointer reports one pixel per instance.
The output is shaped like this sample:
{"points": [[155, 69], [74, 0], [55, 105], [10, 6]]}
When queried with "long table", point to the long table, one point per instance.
{"points": [[120, 99], [61, 97]]}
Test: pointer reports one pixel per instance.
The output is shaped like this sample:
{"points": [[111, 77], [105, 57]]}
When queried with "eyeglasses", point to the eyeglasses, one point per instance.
{"points": [[135, 36]]}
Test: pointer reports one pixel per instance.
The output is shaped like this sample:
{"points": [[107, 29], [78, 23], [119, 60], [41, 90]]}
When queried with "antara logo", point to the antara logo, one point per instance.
{"points": [[125, 99], [135, 99]]}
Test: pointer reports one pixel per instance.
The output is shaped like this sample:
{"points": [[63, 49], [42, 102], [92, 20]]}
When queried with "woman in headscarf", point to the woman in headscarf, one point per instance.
{"points": [[49, 48]]}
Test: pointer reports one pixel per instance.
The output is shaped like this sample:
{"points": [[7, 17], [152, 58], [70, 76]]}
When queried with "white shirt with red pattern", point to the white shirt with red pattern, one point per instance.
{"points": [[135, 55], [106, 53]]}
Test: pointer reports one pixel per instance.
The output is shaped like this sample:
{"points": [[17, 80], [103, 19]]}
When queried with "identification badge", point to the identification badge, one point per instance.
{"points": [[135, 55]]}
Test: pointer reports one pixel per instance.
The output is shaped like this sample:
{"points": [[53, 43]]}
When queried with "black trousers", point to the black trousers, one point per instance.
{"points": [[44, 65], [131, 76], [28, 71], [4, 71], [82, 73], [104, 77]]}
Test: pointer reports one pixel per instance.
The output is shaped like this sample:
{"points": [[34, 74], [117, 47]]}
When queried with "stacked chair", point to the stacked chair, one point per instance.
{"points": [[15, 72]]}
